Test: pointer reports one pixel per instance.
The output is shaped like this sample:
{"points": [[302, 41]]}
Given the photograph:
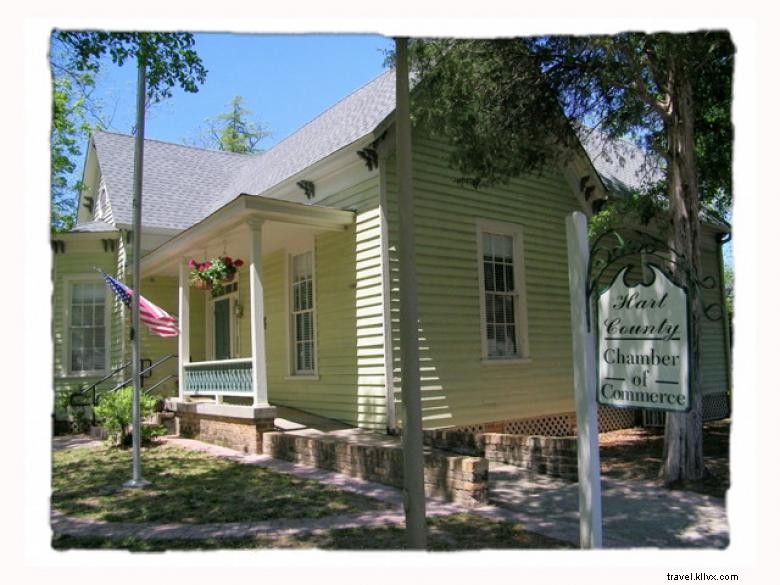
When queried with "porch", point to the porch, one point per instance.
{"points": [[223, 333]]}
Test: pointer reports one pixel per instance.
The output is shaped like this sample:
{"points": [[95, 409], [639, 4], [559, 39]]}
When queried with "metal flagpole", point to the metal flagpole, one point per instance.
{"points": [[138, 172], [414, 488]]}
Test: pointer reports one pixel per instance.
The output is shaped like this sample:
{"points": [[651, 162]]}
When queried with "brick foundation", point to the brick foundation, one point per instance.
{"points": [[236, 427], [453, 478], [555, 456]]}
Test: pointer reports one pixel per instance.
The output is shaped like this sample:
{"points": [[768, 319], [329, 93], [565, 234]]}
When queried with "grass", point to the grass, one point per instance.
{"points": [[637, 454], [188, 487], [448, 533]]}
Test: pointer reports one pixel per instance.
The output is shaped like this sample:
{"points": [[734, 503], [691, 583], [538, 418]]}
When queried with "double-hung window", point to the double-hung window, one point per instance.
{"points": [[502, 292], [303, 337], [86, 329]]}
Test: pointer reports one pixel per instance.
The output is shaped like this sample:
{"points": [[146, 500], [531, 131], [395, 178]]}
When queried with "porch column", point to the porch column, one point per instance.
{"points": [[184, 322], [259, 377]]}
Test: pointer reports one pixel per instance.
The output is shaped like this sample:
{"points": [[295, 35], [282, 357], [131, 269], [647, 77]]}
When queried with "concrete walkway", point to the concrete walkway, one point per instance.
{"points": [[635, 514]]}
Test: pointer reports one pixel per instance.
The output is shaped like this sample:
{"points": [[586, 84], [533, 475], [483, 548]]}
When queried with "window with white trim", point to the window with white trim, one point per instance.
{"points": [[502, 292], [87, 327], [303, 340]]}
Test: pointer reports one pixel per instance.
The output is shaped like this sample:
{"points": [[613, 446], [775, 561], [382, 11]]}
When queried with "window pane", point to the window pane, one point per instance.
{"points": [[511, 340], [509, 309], [509, 272], [489, 279], [77, 315], [500, 285], [487, 246], [500, 310], [490, 311], [503, 247]]}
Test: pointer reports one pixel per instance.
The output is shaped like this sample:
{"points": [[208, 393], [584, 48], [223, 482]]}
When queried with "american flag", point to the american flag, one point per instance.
{"points": [[159, 322]]}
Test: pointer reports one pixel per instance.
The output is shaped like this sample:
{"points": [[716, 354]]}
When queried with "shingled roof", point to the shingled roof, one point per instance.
{"points": [[180, 182], [184, 184]]}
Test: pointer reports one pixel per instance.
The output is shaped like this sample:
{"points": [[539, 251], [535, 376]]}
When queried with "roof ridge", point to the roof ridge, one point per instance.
{"points": [[328, 109], [177, 144]]}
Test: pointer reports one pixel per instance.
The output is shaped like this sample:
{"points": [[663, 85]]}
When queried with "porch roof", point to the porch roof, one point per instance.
{"points": [[224, 225]]}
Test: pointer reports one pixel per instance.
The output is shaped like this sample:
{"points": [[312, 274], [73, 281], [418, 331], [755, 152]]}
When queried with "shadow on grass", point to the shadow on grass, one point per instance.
{"points": [[449, 533], [188, 487]]}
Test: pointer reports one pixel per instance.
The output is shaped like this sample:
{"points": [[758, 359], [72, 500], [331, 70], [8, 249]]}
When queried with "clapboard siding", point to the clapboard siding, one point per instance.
{"points": [[715, 359], [349, 320], [79, 260], [457, 388]]}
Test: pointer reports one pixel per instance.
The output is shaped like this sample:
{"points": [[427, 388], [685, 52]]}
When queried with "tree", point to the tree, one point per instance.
{"points": [[233, 131], [76, 61], [500, 104]]}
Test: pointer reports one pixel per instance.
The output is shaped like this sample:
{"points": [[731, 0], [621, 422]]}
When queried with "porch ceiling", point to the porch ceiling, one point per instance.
{"points": [[285, 225]]}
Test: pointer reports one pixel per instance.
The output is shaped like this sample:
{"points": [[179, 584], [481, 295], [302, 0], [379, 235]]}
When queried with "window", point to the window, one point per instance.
{"points": [[87, 327], [303, 346], [502, 294]]}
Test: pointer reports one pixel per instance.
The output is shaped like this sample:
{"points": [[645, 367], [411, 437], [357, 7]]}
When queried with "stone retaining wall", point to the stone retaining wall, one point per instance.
{"points": [[555, 456], [455, 478], [236, 427]]}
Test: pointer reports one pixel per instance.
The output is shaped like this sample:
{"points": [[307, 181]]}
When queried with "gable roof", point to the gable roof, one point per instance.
{"points": [[350, 119], [185, 184], [180, 182]]}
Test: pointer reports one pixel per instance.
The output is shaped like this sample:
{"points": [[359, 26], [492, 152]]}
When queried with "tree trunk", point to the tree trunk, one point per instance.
{"points": [[683, 445]]}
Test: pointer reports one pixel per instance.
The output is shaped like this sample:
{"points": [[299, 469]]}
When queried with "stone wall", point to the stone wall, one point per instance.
{"points": [[462, 442], [555, 456], [236, 427], [455, 478]]}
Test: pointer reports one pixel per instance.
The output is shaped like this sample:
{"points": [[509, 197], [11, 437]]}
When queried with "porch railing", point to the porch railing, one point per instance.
{"points": [[224, 377]]}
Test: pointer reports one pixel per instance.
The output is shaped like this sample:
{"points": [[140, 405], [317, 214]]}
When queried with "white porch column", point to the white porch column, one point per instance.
{"points": [[259, 377], [184, 322]]}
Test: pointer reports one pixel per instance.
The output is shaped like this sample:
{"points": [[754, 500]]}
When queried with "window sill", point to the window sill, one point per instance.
{"points": [[314, 377], [507, 362]]}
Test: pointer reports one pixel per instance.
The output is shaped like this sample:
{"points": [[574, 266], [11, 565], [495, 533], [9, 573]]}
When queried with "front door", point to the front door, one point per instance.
{"points": [[222, 332]]}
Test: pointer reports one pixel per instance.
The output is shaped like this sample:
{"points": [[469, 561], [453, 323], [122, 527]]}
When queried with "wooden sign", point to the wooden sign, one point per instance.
{"points": [[643, 350]]}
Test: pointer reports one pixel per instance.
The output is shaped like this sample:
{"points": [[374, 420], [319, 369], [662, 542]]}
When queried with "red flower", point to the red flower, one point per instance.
{"points": [[192, 263], [227, 260], [238, 262], [204, 266]]}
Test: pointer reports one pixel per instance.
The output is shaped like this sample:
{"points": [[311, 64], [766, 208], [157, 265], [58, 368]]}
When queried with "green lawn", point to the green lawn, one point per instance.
{"points": [[192, 487], [188, 487], [449, 533]]}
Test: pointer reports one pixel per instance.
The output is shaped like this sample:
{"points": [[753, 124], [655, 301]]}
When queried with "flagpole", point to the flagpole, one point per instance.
{"points": [[135, 310]]}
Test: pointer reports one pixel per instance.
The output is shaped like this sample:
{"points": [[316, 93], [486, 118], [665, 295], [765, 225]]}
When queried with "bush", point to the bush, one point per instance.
{"points": [[115, 413]]}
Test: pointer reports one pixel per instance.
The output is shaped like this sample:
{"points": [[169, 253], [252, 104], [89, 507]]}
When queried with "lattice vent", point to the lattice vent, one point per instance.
{"points": [[471, 429], [613, 419], [715, 406], [557, 425]]}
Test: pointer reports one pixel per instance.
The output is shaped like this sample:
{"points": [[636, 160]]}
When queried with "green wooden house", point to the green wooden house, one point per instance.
{"points": [[311, 319]]}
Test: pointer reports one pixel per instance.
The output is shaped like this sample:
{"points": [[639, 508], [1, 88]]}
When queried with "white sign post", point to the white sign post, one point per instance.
{"points": [[584, 354], [643, 344]]}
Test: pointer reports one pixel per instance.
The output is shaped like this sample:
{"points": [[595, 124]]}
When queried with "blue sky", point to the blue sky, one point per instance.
{"points": [[285, 80]]}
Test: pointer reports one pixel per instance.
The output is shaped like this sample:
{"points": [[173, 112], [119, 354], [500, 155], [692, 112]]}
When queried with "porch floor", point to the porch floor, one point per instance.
{"points": [[292, 421]]}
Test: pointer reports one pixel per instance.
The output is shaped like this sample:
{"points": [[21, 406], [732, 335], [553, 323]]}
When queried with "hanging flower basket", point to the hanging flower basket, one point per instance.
{"points": [[213, 273], [200, 284]]}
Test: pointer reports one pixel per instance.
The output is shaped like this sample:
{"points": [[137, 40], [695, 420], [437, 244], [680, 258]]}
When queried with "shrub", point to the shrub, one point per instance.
{"points": [[115, 413]]}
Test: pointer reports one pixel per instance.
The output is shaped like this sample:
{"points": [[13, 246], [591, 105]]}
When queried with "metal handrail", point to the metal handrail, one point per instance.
{"points": [[163, 381], [122, 384], [141, 373], [92, 388]]}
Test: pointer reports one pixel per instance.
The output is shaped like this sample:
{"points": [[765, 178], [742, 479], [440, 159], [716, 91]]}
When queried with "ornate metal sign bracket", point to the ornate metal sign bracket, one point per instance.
{"points": [[615, 247]]}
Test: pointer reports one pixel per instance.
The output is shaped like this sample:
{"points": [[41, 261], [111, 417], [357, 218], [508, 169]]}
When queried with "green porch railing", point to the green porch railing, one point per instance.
{"points": [[225, 377]]}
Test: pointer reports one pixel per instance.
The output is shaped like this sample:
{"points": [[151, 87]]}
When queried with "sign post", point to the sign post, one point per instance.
{"points": [[583, 350]]}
